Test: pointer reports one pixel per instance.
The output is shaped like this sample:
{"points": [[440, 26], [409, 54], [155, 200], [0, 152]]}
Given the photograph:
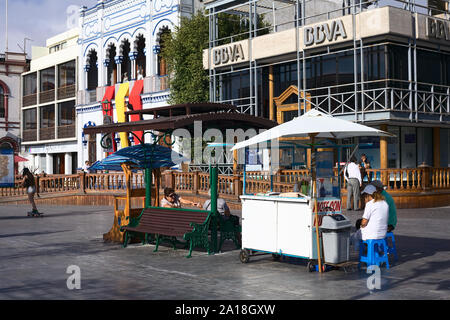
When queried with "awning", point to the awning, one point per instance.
{"points": [[136, 102], [19, 159], [220, 121]]}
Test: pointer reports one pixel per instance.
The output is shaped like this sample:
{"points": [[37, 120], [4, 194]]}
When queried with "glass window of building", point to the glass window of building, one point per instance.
{"points": [[48, 116], [393, 147], [66, 112], [408, 147], [425, 146], [29, 119], [429, 67], [2, 102], [66, 74], [445, 147], [47, 79], [112, 66], [30, 84]]}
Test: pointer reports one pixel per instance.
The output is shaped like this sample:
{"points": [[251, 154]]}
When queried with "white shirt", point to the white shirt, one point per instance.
{"points": [[377, 213], [353, 171]]}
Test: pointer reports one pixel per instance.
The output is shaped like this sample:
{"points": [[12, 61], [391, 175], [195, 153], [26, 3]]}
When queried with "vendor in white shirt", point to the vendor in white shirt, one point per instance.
{"points": [[353, 176], [375, 218]]}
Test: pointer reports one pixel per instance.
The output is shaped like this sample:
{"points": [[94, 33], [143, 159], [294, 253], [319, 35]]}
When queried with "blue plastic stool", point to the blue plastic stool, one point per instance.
{"points": [[373, 256], [392, 249]]}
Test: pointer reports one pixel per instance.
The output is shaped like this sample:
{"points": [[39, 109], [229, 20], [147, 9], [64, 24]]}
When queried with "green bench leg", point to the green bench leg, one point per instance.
{"points": [[157, 243], [191, 246], [126, 239]]}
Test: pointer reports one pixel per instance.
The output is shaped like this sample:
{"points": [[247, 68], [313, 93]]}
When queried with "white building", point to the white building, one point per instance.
{"points": [[120, 43], [48, 124], [11, 66]]}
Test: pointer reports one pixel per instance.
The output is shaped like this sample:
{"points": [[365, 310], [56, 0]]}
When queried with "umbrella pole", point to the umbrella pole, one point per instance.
{"points": [[148, 187], [314, 178]]}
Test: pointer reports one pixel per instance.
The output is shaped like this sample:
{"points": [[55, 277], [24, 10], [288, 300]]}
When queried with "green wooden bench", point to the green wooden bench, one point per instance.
{"points": [[170, 224]]}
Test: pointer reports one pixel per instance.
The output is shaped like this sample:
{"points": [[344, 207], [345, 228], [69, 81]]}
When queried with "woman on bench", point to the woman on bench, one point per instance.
{"points": [[172, 200]]}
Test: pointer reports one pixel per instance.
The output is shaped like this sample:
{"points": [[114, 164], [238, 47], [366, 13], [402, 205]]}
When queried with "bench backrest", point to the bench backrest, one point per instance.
{"points": [[179, 219]]}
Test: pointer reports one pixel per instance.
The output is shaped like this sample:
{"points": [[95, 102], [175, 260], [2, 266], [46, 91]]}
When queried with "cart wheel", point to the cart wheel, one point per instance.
{"points": [[311, 266], [276, 257], [244, 256]]}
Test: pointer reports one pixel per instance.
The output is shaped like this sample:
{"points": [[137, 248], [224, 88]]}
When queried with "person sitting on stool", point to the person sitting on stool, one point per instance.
{"points": [[373, 225], [392, 222]]}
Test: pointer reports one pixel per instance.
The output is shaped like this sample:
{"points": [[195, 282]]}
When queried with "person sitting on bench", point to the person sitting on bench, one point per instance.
{"points": [[222, 208], [172, 200]]}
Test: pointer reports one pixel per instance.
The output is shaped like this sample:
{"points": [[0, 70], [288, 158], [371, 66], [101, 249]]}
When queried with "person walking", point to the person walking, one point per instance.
{"points": [[28, 182], [352, 175]]}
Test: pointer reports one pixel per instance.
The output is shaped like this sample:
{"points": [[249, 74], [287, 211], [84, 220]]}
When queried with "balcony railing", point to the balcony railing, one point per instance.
{"points": [[29, 135], [66, 92], [47, 133], [47, 96], [65, 132], [29, 100]]}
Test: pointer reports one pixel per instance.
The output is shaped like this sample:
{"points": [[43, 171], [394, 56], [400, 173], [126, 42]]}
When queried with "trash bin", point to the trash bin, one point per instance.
{"points": [[336, 238]]}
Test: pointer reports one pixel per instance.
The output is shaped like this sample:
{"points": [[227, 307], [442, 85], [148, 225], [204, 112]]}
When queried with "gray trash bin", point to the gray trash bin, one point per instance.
{"points": [[336, 238]]}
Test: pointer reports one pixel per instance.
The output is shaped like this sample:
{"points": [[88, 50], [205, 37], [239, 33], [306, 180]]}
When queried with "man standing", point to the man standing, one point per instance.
{"points": [[354, 182]]}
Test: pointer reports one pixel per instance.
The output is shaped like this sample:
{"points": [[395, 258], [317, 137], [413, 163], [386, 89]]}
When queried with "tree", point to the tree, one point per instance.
{"points": [[183, 52]]}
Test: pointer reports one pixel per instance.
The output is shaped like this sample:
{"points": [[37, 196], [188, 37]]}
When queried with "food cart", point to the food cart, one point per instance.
{"points": [[289, 224]]}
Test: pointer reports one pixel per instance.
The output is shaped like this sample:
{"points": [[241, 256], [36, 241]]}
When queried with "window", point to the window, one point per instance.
{"points": [[30, 84], [2, 102], [48, 116], [58, 47], [66, 74], [29, 119], [66, 113], [47, 79], [429, 67]]}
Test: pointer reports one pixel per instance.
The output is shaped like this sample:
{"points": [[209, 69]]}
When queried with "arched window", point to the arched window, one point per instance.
{"points": [[162, 64], [140, 59], [4, 91], [92, 70], [112, 67], [2, 102], [126, 62]]}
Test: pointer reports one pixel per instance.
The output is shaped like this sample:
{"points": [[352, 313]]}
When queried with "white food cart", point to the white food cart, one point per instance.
{"points": [[285, 224]]}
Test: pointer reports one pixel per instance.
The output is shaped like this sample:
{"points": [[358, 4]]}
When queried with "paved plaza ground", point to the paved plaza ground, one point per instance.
{"points": [[36, 252]]}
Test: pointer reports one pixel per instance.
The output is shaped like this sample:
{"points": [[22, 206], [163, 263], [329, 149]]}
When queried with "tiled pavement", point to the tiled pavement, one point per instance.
{"points": [[35, 254]]}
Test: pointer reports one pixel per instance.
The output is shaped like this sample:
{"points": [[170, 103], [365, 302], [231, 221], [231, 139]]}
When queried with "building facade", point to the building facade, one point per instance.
{"points": [[11, 66], [48, 121], [386, 66], [120, 64]]}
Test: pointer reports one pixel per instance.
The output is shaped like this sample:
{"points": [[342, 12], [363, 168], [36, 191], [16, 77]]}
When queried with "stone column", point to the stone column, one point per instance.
{"points": [[133, 56], [105, 79], [119, 60], [49, 164], [68, 163], [383, 149]]}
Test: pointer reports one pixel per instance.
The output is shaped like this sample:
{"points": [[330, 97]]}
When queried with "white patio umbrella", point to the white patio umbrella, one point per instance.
{"points": [[314, 124]]}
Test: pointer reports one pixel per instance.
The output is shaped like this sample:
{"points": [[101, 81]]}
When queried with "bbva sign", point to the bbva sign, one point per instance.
{"points": [[330, 31], [438, 29], [232, 53]]}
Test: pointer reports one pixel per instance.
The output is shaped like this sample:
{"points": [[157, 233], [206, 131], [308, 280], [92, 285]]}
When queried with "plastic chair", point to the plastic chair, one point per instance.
{"points": [[392, 249], [373, 256]]}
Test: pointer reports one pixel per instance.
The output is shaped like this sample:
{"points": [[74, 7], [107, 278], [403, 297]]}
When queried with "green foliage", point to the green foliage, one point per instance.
{"points": [[183, 52]]}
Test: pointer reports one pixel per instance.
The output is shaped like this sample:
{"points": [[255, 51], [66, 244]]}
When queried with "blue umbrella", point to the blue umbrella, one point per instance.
{"points": [[142, 156]]}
